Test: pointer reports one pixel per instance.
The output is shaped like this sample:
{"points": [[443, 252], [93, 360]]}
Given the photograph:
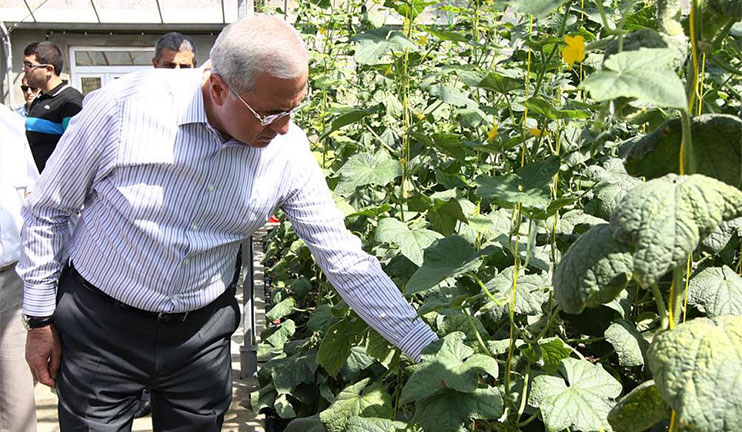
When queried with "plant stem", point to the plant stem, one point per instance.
{"points": [[687, 161], [661, 310], [676, 293]]}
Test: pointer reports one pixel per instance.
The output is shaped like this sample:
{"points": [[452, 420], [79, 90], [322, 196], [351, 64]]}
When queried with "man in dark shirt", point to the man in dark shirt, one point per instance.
{"points": [[51, 111]]}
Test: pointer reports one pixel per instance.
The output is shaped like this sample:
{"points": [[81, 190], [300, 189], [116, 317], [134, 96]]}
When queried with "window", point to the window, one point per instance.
{"points": [[93, 67]]}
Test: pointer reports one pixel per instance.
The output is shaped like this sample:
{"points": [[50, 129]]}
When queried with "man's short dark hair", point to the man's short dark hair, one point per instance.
{"points": [[46, 53], [174, 41]]}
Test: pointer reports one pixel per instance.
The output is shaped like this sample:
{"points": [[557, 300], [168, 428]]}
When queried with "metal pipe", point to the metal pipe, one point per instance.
{"points": [[8, 61]]}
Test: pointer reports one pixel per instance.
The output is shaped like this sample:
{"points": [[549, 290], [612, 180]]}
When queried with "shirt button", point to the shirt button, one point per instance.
{"points": [[186, 261], [194, 227], [211, 188], [176, 296]]}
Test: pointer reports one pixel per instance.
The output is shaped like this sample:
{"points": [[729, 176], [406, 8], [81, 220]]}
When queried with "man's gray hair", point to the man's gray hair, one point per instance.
{"points": [[258, 43], [174, 41]]}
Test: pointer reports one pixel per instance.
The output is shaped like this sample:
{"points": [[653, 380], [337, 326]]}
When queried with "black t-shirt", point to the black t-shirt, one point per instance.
{"points": [[48, 118]]}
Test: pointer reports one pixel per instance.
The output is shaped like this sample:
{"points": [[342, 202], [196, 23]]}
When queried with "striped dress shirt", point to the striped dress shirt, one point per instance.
{"points": [[164, 203]]}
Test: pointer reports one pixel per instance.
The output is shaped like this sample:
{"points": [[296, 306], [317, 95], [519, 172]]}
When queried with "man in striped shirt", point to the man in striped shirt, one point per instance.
{"points": [[172, 171], [50, 112]]}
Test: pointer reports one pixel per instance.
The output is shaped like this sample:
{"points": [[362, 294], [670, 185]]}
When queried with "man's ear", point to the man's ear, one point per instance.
{"points": [[154, 62], [218, 89]]}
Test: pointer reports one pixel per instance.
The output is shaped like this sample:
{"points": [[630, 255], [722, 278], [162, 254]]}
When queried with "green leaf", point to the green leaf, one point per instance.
{"points": [[357, 399], [716, 149], [639, 410], [263, 398], [283, 407], [629, 344], [374, 45], [281, 309], [410, 242], [348, 118], [449, 143], [335, 346], [378, 348], [698, 370], [531, 292], [410, 9], [539, 8], [548, 353], [444, 215], [277, 336], [528, 186], [452, 411], [367, 169], [716, 291], [289, 372], [373, 424], [447, 363], [664, 219], [643, 74], [452, 96], [500, 83], [305, 424], [321, 319], [546, 109], [593, 271], [579, 398], [445, 258]]}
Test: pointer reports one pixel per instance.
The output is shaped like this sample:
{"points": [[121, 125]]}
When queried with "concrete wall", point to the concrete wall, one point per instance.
{"points": [[20, 38]]}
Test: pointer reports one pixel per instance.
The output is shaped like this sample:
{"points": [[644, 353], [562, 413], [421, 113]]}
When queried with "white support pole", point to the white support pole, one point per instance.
{"points": [[8, 62]]}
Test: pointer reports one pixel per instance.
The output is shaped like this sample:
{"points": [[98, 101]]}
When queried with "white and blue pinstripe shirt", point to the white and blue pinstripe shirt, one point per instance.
{"points": [[165, 203]]}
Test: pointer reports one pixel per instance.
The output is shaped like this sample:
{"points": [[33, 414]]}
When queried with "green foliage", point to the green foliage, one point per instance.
{"points": [[639, 410], [362, 398], [697, 368], [716, 291], [579, 397]]}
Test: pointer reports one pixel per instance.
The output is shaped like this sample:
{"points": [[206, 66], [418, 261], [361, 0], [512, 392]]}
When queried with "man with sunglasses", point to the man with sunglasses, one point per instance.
{"points": [[29, 94], [50, 112], [172, 171]]}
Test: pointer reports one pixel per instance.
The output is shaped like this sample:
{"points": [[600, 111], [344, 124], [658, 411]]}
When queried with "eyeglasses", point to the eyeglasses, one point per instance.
{"points": [[29, 65], [25, 88], [269, 119]]}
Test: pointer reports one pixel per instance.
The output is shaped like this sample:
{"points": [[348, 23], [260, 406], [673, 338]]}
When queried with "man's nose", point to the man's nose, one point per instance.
{"points": [[280, 126]]}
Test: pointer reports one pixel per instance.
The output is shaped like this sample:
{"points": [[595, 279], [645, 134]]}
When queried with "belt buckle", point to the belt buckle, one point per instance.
{"points": [[171, 317]]}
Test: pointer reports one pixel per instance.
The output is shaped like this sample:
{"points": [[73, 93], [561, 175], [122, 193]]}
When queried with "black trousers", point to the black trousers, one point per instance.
{"points": [[111, 353]]}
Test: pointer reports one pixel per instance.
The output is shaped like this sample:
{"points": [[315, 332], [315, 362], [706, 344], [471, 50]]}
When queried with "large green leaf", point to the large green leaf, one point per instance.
{"points": [[447, 363], [277, 336], [579, 398], [374, 424], [340, 338], [305, 424], [593, 271], [410, 9], [444, 215], [452, 96], [644, 74], [539, 8], [367, 169], [664, 219], [548, 110], [348, 118], [639, 410], [531, 292], [548, 353], [411, 242], [528, 186], [698, 370], [499, 83], [445, 258], [289, 372], [374, 45], [359, 399], [629, 344], [716, 149], [716, 291], [452, 411], [280, 310]]}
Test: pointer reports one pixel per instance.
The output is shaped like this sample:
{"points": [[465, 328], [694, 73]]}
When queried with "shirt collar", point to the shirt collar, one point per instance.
{"points": [[58, 89], [194, 111]]}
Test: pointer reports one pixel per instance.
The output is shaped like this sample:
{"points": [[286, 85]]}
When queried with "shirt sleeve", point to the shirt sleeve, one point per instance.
{"points": [[71, 108], [78, 160], [356, 275]]}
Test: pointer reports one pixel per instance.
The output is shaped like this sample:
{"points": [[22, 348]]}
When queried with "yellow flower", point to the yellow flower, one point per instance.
{"points": [[389, 71], [493, 132], [423, 40], [322, 31], [575, 49], [537, 132], [420, 116]]}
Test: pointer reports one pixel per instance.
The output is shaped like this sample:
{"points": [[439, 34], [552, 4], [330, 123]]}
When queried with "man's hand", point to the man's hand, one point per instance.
{"points": [[43, 353]]}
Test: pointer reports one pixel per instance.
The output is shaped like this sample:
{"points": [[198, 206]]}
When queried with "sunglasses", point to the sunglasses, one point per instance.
{"points": [[29, 65], [25, 88], [269, 119]]}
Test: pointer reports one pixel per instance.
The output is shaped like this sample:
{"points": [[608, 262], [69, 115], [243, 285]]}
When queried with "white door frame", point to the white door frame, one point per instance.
{"points": [[106, 73]]}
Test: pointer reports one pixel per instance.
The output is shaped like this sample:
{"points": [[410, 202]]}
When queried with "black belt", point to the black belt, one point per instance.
{"points": [[159, 316], [8, 267]]}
